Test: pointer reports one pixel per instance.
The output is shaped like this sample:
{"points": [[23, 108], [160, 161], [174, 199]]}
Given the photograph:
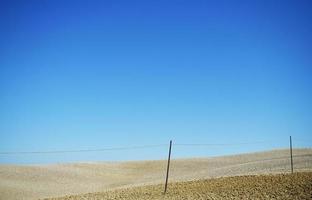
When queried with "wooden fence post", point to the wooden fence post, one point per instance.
{"points": [[168, 164], [291, 155]]}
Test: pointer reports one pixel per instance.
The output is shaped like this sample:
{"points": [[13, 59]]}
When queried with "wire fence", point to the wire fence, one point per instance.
{"points": [[141, 152], [285, 161], [136, 147]]}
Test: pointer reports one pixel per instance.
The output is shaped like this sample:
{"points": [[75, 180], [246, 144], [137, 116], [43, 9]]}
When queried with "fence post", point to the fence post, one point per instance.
{"points": [[168, 164], [291, 155]]}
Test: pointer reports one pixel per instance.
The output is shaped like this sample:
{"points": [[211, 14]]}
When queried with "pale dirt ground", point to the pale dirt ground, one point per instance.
{"points": [[42, 181], [296, 186]]}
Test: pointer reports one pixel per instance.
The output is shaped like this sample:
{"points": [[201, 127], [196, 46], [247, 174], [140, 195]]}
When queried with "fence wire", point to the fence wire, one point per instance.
{"points": [[139, 147], [83, 150]]}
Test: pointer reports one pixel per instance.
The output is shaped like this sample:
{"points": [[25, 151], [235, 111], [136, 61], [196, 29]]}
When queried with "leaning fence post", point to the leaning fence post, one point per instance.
{"points": [[291, 156], [168, 164]]}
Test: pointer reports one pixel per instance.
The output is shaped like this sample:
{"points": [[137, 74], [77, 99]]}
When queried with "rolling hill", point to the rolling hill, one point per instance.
{"points": [[43, 181]]}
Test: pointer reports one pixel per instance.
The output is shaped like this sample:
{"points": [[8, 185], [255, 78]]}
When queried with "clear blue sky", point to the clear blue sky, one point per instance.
{"points": [[93, 74]]}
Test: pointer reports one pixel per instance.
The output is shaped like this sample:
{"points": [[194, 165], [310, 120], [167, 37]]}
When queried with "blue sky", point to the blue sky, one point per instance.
{"points": [[94, 74]]}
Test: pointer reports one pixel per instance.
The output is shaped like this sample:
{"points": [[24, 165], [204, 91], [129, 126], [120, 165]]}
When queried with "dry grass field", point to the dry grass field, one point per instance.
{"points": [[297, 186], [45, 181]]}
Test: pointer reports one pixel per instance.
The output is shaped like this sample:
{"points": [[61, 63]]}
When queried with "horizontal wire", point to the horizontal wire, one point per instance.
{"points": [[220, 144], [302, 140], [131, 147], [83, 150]]}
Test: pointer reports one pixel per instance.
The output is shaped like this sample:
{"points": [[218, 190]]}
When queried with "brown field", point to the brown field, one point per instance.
{"points": [[281, 186], [45, 181]]}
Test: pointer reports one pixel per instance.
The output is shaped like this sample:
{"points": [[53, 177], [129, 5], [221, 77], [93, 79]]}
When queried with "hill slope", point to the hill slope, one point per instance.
{"points": [[297, 186], [42, 181]]}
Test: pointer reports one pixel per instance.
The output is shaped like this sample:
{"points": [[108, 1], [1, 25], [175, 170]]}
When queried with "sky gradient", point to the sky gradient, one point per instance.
{"points": [[96, 74]]}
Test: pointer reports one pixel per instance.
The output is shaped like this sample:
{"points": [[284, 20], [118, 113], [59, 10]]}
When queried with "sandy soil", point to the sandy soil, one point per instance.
{"points": [[297, 186], [42, 181]]}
